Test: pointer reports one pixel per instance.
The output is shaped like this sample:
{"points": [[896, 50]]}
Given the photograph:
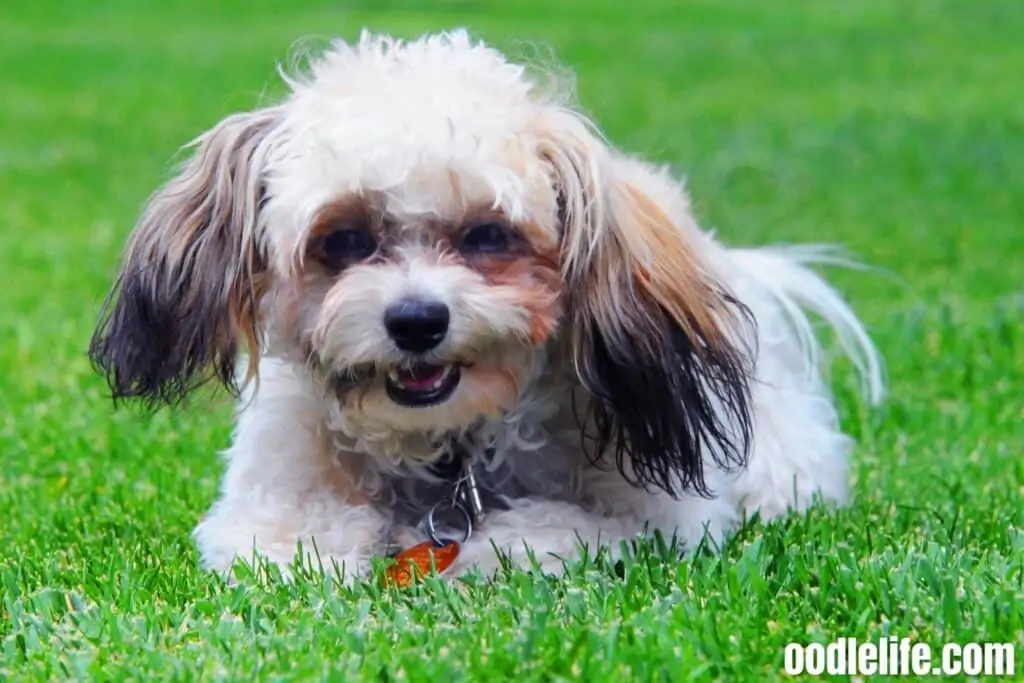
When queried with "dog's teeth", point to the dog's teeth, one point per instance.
{"points": [[398, 377], [440, 379], [448, 369]]}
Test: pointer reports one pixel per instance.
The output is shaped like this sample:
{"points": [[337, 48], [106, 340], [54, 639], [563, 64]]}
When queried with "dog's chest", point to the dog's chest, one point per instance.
{"points": [[542, 470]]}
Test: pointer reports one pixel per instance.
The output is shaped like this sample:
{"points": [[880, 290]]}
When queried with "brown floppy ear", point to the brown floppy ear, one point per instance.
{"points": [[192, 272], [657, 342]]}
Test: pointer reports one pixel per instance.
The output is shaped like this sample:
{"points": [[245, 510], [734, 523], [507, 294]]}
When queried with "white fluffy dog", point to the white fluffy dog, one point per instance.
{"points": [[432, 282]]}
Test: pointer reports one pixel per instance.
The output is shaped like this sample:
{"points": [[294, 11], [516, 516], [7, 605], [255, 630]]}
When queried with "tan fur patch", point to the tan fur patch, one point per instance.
{"points": [[496, 390], [535, 282], [664, 266]]}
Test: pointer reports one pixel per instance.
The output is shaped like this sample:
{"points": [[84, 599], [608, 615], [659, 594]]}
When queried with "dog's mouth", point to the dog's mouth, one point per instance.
{"points": [[422, 384]]}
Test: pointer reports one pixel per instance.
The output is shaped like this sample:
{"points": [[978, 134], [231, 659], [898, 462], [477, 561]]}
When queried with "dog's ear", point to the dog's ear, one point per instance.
{"points": [[192, 272], [659, 344]]}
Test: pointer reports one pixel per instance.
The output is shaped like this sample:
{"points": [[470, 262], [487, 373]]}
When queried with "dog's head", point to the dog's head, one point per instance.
{"points": [[421, 225]]}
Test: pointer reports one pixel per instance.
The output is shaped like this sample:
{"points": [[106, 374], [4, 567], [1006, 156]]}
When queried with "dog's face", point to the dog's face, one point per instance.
{"points": [[423, 321], [421, 227]]}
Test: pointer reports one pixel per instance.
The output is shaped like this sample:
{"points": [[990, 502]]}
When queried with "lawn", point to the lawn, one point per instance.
{"points": [[894, 128]]}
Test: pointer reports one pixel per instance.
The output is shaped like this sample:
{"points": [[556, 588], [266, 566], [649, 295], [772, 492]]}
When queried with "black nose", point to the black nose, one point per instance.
{"points": [[417, 325]]}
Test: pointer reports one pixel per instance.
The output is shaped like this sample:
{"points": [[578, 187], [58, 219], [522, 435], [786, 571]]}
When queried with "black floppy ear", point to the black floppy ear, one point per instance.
{"points": [[663, 351], [192, 272]]}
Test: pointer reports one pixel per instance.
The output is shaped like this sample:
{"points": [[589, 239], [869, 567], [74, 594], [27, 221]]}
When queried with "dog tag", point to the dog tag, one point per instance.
{"points": [[417, 561]]}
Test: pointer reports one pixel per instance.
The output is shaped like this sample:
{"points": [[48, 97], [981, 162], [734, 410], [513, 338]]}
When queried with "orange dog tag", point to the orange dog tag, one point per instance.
{"points": [[417, 561]]}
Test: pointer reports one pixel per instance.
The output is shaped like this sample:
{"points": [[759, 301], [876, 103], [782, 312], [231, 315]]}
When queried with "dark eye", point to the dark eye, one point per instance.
{"points": [[341, 247], [487, 238]]}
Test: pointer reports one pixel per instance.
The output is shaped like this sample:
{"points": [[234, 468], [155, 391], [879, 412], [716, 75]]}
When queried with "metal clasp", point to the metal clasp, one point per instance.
{"points": [[465, 500]]}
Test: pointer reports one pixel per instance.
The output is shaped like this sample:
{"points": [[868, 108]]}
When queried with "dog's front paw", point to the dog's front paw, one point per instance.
{"points": [[234, 541], [544, 535], [346, 569]]}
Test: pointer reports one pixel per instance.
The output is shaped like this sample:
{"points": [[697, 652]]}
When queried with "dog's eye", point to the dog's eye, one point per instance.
{"points": [[487, 238], [346, 246]]}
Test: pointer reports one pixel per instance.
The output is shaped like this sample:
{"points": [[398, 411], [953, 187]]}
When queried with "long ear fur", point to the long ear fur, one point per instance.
{"points": [[192, 273], [656, 341]]}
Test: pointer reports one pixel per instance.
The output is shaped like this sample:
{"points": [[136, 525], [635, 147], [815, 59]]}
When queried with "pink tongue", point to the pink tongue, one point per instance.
{"points": [[420, 376]]}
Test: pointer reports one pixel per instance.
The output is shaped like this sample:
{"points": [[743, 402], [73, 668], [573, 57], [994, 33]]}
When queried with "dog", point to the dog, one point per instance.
{"points": [[450, 309]]}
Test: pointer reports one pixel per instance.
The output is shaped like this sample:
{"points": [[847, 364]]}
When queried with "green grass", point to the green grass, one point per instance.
{"points": [[895, 128]]}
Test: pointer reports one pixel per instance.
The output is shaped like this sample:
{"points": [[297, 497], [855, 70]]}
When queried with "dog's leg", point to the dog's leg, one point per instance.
{"points": [[555, 532], [552, 531], [331, 535], [798, 453], [282, 488], [687, 519]]}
